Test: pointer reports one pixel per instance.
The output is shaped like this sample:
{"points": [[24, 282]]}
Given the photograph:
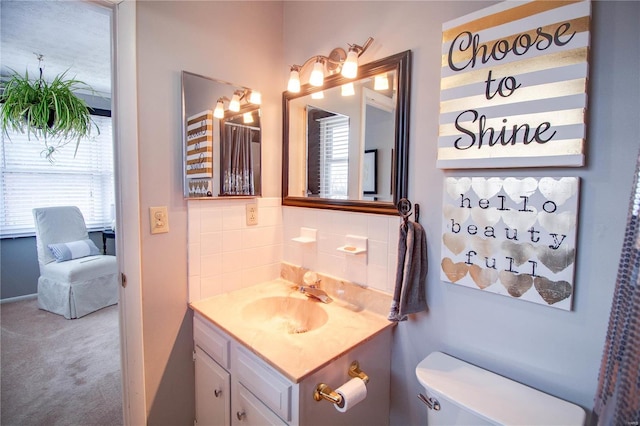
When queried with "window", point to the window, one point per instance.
{"points": [[334, 157], [29, 180]]}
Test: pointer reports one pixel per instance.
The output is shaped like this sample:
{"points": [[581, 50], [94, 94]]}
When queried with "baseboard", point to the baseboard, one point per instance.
{"points": [[18, 298]]}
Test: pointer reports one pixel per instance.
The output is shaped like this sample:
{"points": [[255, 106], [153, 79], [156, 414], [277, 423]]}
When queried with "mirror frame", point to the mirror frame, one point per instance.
{"points": [[401, 63]]}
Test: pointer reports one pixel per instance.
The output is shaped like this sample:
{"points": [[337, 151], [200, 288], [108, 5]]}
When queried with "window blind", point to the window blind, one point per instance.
{"points": [[334, 163], [29, 180]]}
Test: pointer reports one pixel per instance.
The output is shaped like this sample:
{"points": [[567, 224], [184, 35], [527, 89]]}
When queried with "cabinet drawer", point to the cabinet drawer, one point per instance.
{"points": [[211, 340], [268, 385], [249, 411]]}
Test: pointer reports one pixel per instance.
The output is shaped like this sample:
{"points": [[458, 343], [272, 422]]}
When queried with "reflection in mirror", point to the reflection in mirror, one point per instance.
{"points": [[222, 148], [346, 144], [240, 146]]}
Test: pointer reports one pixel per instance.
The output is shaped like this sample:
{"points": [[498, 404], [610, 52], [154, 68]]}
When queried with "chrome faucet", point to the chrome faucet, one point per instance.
{"points": [[311, 289], [316, 293]]}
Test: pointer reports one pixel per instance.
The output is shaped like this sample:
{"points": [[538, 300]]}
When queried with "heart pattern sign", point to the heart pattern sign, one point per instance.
{"points": [[511, 236]]}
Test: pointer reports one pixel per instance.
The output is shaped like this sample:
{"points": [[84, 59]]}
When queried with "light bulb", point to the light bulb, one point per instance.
{"points": [[348, 89], [317, 75], [317, 95], [219, 111], [234, 105], [294, 81], [381, 82], [247, 117], [350, 66], [255, 97]]}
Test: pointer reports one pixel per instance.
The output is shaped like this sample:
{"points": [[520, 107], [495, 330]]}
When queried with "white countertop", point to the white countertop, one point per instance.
{"points": [[294, 355]]}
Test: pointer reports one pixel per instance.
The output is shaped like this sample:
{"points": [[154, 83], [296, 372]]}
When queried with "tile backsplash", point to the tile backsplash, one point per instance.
{"points": [[226, 254], [376, 269]]}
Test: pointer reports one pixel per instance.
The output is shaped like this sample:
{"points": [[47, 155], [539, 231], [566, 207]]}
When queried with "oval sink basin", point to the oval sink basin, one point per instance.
{"points": [[285, 314]]}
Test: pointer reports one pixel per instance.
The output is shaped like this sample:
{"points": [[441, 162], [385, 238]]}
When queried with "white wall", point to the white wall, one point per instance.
{"points": [[239, 42], [556, 352]]}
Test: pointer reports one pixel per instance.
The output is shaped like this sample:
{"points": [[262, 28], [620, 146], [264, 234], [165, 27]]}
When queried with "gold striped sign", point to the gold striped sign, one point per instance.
{"points": [[199, 145], [513, 89]]}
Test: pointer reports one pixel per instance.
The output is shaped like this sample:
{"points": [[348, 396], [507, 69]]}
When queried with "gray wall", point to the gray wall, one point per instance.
{"points": [[557, 352], [19, 270], [239, 42]]}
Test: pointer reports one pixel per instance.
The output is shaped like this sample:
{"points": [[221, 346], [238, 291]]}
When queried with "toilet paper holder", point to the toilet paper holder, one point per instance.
{"points": [[324, 391]]}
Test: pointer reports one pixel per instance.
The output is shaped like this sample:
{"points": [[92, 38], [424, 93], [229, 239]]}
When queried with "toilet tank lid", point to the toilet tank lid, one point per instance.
{"points": [[492, 397]]}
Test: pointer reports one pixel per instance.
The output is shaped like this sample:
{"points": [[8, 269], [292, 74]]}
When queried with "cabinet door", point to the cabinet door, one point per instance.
{"points": [[249, 411], [213, 392]]}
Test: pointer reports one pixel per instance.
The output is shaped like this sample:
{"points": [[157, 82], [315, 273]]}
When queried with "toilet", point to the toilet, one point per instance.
{"points": [[458, 393]]}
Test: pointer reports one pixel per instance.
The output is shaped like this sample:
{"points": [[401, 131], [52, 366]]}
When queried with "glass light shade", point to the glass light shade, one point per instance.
{"points": [[247, 117], [234, 105], [381, 82], [348, 89], [317, 75], [219, 111], [350, 66], [294, 81], [317, 95], [255, 97]]}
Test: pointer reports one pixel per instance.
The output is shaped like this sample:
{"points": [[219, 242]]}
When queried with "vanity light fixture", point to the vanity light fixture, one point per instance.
{"points": [[294, 80], [219, 111], [337, 61], [350, 67], [234, 105], [381, 82], [347, 89], [317, 75], [239, 96], [255, 97], [247, 117]]}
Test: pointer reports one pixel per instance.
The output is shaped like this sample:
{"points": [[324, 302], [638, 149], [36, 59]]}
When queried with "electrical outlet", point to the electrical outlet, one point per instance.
{"points": [[159, 219], [252, 214]]}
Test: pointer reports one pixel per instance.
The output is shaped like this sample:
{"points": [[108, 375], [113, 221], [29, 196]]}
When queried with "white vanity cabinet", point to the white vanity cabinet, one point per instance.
{"points": [[261, 395]]}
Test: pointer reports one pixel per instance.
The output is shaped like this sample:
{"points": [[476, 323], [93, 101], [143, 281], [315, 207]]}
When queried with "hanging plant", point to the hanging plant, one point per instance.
{"points": [[49, 111]]}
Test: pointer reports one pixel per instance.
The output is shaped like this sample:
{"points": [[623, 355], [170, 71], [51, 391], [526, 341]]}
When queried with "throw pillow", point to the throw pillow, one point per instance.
{"points": [[73, 250]]}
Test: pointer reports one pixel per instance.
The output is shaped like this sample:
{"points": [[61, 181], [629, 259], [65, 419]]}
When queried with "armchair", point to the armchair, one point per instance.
{"points": [[75, 279]]}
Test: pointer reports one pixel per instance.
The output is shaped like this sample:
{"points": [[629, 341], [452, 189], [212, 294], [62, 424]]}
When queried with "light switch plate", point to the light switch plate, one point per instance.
{"points": [[159, 219]]}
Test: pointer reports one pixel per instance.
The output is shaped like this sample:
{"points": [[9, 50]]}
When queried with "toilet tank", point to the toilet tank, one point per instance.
{"points": [[467, 394]]}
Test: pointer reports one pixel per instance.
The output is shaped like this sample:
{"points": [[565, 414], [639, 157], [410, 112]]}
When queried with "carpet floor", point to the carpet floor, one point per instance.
{"points": [[55, 371]]}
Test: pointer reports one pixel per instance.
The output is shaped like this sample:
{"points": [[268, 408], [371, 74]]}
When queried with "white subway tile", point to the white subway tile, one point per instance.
{"points": [[210, 243], [378, 227], [210, 265], [232, 261], [211, 286], [377, 253], [231, 240]]}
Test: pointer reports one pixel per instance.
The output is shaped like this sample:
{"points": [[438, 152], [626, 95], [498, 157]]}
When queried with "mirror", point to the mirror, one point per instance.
{"points": [[222, 156], [349, 151]]}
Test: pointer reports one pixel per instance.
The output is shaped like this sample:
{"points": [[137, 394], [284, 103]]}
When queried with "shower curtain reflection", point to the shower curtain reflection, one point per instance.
{"points": [[237, 160]]}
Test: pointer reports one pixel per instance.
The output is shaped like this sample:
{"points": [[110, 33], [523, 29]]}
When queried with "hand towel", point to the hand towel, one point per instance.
{"points": [[411, 275]]}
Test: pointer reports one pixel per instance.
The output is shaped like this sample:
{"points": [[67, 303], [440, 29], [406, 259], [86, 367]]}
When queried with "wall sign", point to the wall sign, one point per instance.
{"points": [[199, 158], [515, 237], [513, 86]]}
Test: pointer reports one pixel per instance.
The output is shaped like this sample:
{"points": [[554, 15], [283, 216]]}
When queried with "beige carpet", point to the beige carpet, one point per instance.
{"points": [[56, 371]]}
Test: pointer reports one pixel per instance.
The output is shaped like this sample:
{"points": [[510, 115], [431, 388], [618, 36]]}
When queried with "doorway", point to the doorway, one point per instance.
{"points": [[75, 37]]}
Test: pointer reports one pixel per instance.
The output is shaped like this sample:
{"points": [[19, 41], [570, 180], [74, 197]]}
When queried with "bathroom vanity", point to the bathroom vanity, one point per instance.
{"points": [[261, 352]]}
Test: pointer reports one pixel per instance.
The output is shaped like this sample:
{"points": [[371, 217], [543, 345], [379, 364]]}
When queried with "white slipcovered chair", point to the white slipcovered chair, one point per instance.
{"points": [[75, 279]]}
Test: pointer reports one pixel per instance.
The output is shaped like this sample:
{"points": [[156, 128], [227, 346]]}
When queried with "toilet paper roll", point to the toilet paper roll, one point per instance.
{"points": [[352, 392]]}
